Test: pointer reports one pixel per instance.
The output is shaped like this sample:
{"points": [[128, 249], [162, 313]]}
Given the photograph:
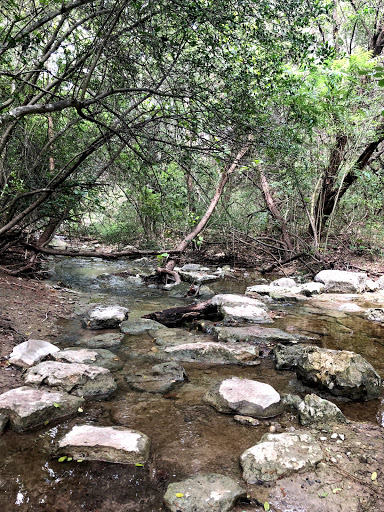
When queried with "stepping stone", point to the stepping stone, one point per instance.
{"points": [[278, 455], [252, 334], [340, 281], [108, 444], [315, 410], [96, 357], [240, 309], [196, 276], [203, 493], [105, 317], [231, 299], [74, 378], [140, 326], [31, 352], [108, 340], [28, 407], [214, 352], [162, 378], [245, 397]]}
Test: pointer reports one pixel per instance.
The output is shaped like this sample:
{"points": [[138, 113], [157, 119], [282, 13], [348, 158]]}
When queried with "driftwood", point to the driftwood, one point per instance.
{"points": [[176, 317]]}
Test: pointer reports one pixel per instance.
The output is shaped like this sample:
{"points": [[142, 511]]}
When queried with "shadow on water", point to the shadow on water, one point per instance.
{"points": [[187, 435]]}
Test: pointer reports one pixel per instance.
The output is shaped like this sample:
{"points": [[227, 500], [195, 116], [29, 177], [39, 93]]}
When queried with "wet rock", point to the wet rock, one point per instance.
{"points": [[240, 309], [31, 352], [191, 266], [203, 493], [258, 289], [311, 288], [287, 357], [340, 281], [28, 407], [108, 444], [96, 357], [252, 334], [140, 326], [196, 276], [284, 282], [214, 352], [247, 420], [341, 372], [77, 379], [108, 340], [3, 422], [230, 299], [246, 397], [279, 455], [162, 378], [350, 307], [315, 410], [375, 314], [105, 317]]}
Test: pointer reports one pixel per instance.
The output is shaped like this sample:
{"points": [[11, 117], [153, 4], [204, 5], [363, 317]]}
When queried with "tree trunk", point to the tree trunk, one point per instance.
{"points": [[176, 317]]}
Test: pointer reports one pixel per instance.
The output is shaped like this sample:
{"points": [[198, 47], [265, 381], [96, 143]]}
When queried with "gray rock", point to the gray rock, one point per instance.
{"points": [[284, 282], [196, 276], [93, 357], [279, 455], [287, 357], [28, 407], [341, 372], [31, 352], [105, 317], [214, 352], [311, 288], [77, 379], [108, 340], [258, 289], [162, 378], [108, 444], [246, 397], [340, 281], [375, 314], [191, 266], [140, 326], [247, 420], [203, 493], [315, 410], [252, 334]]}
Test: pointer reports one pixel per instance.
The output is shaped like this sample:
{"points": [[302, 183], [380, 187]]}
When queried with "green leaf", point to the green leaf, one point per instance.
{"points": [[62, 459], [56, 405], [46, 422], [79, 460], [79, 409], [69, 459], [374, 476], [323, 495], [179, 495], [381, 82], [266, 506], [138, 465]]}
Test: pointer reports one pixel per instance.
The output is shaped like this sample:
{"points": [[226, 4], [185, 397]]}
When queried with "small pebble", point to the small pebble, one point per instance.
{"points": [[334, 436], [323, 438]]}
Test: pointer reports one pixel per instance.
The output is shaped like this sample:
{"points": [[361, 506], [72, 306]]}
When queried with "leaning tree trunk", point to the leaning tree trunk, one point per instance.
{"points": [[169, 268]]}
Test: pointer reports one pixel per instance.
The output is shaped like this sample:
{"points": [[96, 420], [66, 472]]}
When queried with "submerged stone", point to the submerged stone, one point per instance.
{"points": [[140, 326], [74, 378], [245, 397], [162, 378], [28, 407], [214, 352], [252, 334], [108, 444], [31, 352], [203, 493], [279, 455], [108, 340], [105, 317]]}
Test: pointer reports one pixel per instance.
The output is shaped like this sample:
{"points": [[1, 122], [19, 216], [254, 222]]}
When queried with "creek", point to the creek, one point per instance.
{"points": [[188, 437]]}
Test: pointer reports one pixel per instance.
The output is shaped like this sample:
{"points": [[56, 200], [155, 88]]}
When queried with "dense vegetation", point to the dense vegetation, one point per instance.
{"points": [[128, 120]]}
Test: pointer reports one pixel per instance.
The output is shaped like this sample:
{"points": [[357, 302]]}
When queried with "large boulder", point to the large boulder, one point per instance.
{"points": [[340, 281], [214, 352], [315, 410], [161, 378], [93, 357], [31, 352], [203, 493], [77, 379], [105, 317], [108, 444], [288, 356], [341, 372], [28, 407], [139, 326], [279, 455], [246, 397], [375, 314]]}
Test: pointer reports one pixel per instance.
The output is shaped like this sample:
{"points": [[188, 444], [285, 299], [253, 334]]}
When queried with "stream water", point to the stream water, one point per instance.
{"points": [[187, 436]]}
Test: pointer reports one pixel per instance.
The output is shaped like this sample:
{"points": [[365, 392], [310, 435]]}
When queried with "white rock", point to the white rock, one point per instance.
{"points": [[371, 285], [109, 444], [31, 352], [350, 307], [230, 299], [340, 281], [284, 282], [105, 317]]}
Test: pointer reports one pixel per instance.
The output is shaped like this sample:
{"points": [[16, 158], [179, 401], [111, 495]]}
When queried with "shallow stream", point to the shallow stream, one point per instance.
{"points": [[187, 436]]}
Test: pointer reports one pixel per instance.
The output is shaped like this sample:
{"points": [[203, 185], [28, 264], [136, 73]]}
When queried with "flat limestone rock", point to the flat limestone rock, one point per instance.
{"points": [[231, 299], [108, 444], [214, 352], [246, 313], [140, 326], [252, 334], [105, 317], [162, 378], [196, 276], [203, 493], [31, 352], [246, 397], [279, 455], [28, 407], [74, 378], [340, 281], [93, 357], [108, 340]]}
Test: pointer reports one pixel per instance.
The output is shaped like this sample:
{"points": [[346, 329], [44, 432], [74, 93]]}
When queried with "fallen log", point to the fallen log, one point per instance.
{"points": [[176, 317]]}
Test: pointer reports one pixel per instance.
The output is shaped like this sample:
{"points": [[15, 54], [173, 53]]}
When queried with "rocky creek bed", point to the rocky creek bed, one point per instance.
{"points": [[163, 419]]}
